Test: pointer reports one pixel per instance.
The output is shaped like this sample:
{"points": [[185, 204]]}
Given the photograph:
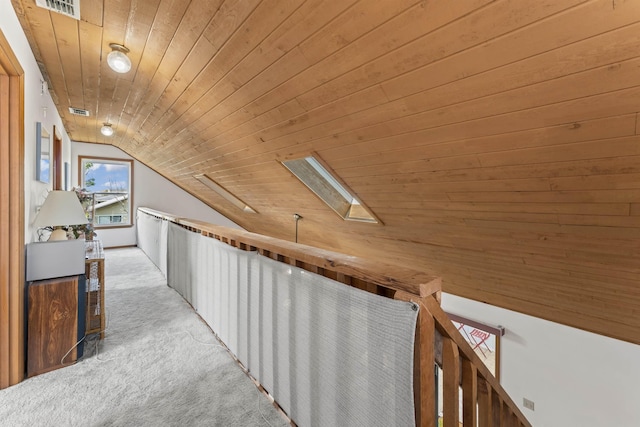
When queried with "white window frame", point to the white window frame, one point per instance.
{"points": [[82, 179]]}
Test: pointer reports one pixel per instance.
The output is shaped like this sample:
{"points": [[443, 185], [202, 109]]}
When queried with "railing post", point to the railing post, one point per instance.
{"points": [[485, 406], [424, 362], [451, 382], [496, 403], [469, 393]]}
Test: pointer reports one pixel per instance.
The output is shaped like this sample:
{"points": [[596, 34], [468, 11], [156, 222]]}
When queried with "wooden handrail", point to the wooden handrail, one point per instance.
{"points": [[466, 353], [485, 403], [385, 275]]}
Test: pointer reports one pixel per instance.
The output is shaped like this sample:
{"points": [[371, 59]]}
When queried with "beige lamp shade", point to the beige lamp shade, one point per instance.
{"points": [[59, 209]]}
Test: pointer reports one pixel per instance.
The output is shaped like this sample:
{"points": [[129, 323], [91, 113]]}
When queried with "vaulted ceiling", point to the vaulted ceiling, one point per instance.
{"points": [[497, 141]]}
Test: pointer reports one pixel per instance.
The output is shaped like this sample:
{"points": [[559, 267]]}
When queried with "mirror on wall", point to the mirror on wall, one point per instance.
{"points": [[43, 154]]}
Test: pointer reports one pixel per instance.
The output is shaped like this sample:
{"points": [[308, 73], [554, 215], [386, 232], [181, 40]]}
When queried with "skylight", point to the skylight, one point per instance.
{"points": [[224, 193], [318, 179]]}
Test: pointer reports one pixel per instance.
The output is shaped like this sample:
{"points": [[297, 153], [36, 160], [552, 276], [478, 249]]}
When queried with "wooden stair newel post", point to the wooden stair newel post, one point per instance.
{"points": [[425, 381], [424, 365]]}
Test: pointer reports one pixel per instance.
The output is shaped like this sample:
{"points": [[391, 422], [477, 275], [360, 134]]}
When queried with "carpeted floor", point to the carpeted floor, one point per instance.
{"points": [[159, 365]]}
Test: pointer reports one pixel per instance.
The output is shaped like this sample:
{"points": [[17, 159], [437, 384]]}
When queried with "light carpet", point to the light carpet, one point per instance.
{"points": [[159, 365]]}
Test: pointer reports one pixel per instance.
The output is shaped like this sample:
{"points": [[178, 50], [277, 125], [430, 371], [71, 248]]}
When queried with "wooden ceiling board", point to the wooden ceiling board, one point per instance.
{"points": [[138, 31], [211, 119], [603, 166], [90, 36], [496, 140], [471, 108], [359, 20], [434, 143], [183, 44], [236, 41], [168, 17], [67, 39]]}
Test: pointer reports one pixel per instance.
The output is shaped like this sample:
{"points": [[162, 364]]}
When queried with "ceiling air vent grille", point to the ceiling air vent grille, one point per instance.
{"points": [[69, 8], [79, 112]]}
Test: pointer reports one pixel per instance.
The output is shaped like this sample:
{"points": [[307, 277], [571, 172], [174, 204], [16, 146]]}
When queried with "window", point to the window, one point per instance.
{"points": [[109, 219], [109, 184], [225, 193], [316, 176]]}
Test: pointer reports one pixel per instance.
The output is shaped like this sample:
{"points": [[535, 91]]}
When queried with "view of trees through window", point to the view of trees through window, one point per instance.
{"points": [[108, 183]]}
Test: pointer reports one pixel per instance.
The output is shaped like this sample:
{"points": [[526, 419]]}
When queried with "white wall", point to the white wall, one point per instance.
{"points": [[575, 378], [150, 190], [34, 103]]}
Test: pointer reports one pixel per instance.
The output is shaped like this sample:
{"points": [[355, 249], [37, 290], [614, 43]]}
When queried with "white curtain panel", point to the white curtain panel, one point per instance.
{"points": [[222, 287], [162, 241], [328, 353], [182, 252], [151, 236], [147, 231], [332, 354]]}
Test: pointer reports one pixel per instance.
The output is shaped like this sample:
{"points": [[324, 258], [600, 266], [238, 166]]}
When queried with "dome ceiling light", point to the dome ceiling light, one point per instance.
{"points": [[106, 129], [118, 59]]}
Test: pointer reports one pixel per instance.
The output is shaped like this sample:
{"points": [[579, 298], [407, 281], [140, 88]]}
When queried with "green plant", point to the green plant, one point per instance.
{"points": [[88, 230]]}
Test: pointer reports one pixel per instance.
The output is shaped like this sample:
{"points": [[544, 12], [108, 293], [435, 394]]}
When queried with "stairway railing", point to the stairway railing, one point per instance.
{"points": [[484, 402], [465, 377]]}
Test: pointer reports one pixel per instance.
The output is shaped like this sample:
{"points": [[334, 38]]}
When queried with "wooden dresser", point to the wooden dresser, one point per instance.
{"points": [[52, 324], [62, 310]]}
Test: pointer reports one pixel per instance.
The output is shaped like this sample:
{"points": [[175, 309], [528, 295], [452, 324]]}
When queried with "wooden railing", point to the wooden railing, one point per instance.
{"points": [[484, 402]]}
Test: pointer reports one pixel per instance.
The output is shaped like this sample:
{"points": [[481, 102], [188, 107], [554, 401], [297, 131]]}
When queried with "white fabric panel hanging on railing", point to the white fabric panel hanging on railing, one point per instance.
{"points": [[151, 234], [222, 283], [182, 251], [328, 353], [162, 252], [331, 353]]}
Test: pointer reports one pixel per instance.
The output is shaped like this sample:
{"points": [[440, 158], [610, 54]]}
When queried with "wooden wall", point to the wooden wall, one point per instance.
{"points": [[498, 141]]}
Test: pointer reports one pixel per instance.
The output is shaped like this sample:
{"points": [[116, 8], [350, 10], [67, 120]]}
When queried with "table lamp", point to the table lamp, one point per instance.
{"points": [[61, 208]]}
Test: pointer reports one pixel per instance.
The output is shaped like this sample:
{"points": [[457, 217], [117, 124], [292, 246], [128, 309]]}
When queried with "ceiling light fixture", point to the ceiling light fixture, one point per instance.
{"points": [[118, 59], [106, 129]]}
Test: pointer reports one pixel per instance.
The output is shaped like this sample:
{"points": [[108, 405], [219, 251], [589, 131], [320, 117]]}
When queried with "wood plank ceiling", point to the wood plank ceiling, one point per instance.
{"points": [[498, 141]]}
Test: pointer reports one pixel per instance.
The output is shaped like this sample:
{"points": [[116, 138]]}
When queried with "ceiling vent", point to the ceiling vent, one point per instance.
{"points": [[69, 8], [79, 112]]}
